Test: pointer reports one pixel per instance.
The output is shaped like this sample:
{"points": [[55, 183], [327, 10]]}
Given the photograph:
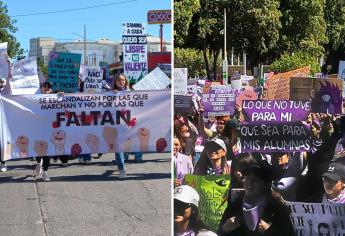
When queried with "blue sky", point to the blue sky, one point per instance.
{"points": [[101, 22]]}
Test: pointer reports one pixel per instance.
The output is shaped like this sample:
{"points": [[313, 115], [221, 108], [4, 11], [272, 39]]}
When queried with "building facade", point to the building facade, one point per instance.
{"points": [[103, 50]]}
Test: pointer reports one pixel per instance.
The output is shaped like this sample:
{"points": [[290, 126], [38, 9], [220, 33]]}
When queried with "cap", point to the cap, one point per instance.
{"points": [[219, 142], [335, 171], [46, 82], [263, 170], [186, 194]]}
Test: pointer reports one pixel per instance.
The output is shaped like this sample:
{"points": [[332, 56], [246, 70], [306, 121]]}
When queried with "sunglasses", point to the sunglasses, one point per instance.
{"points": [[180, 207]]}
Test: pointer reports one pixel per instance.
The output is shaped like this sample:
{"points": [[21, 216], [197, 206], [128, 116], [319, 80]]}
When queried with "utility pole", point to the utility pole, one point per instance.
{"points": [[225, 60], [85, 59], [161, 35]]}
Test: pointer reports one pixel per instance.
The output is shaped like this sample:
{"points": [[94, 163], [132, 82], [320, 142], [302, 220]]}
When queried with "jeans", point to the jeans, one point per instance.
{"points": [[138, 156], [86, 157], [46, 162], [120, 160]]}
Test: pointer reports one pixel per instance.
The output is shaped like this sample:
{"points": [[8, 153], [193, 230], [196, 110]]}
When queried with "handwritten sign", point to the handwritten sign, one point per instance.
{"points": [[134, 51], [155, 80], [213, 192], [219, 100], [317, 218], [275, 111], [180, 81], [63, 71], [290, 137], [25, 77], [93, 79]]}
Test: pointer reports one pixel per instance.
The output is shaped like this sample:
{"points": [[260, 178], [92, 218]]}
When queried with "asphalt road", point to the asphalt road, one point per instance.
{"points": [[87, 199]]}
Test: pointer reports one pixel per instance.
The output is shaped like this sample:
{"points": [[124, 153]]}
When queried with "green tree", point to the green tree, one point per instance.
{"points": [[335, 20], [190, 58], [198, 25], [43, 68], [292, 61], [254, 27], [7, 30], [183, 14], [303, 26]]}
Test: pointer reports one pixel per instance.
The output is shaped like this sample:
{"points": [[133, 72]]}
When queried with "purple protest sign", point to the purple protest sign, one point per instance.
{"points": [[277, 111], [219, 101], [268, 138]]}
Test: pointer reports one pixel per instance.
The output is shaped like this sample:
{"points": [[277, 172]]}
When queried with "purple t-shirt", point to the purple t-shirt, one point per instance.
{"points": [[183, 166]]}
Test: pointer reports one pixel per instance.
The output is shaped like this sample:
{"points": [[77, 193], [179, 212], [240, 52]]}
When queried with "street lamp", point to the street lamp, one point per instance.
{"points": [[225, 60]]}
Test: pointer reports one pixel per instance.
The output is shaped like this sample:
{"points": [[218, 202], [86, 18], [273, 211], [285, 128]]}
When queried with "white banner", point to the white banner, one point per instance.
{"points": [[317, 218], [3, 60], [180, 81], [47, 125], [93, 79], [24, 77]]}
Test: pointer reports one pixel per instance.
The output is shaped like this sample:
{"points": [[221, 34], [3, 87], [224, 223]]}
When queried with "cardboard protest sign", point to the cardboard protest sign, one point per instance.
{"points": [[134, 51], [183, 104], [281, 86], [3, 60], [63, 71], [213, 192], [327, 96], [275, 111], [24, 77], [93, 79], [85, 123], [219, 100], [180, 81], [341, 74], [267, 138], [317, 218], [247, 94], [155, 80]]}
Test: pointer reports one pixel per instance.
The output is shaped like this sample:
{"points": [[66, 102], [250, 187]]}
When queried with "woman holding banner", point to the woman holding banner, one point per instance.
{"points": [[43, 162], [120, 83], [6, 91]]}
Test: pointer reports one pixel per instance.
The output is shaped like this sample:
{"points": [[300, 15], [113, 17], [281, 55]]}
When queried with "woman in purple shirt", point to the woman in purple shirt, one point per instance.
{"points": [[182, 164]]}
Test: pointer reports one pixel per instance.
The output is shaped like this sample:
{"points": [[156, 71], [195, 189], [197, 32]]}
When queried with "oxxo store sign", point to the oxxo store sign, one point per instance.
{"points": [[159, 17]]}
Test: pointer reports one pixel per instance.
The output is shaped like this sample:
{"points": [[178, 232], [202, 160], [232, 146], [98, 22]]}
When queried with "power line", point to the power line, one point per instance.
{"points": [[74, 9]]}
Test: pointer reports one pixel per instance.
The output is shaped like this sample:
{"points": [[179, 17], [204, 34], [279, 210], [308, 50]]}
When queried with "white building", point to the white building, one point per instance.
{"points": [[103, 50]]}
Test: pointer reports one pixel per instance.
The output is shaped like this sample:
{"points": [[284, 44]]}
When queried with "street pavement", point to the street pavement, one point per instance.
{"points": [[87, 199]]}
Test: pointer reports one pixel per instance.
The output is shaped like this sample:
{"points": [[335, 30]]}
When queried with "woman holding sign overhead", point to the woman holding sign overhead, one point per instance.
{"points": [[121, 83]]}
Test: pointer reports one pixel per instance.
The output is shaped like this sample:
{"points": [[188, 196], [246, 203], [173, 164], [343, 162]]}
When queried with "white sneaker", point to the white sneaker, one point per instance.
{"points": [[81, 160], [45, 176], [38, 169], [3, 168], [122, 174]]}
